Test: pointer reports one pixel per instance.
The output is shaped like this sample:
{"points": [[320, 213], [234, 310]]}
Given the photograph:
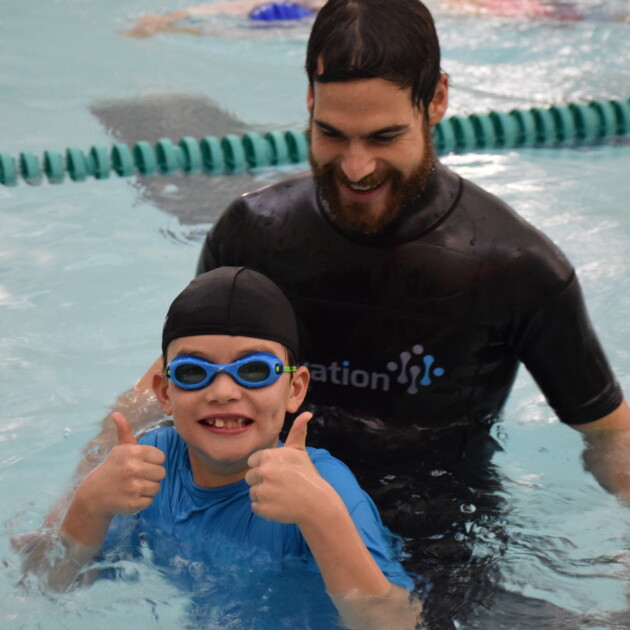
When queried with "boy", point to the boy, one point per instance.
{"points": [[229, 345]]}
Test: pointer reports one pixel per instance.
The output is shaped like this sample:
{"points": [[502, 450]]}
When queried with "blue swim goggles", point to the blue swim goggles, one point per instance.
{"points": [[253, 371]]}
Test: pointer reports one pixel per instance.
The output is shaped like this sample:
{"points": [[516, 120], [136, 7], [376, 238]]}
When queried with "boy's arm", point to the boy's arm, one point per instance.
{"points": [[362, 594], [125, 483], [286, 487], [141, 409]]}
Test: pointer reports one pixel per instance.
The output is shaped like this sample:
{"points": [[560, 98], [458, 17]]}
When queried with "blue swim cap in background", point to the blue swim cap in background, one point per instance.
{"points": [[271, 11]]}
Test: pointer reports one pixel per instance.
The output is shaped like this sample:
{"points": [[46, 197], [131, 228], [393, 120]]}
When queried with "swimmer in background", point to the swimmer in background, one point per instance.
{"points": [[535, 9], [257, 11], [219, 479], [288, 10]]}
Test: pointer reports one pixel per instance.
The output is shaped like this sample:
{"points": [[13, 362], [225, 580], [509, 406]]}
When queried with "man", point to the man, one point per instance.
{"points": [[418, 295], [418, 292]]}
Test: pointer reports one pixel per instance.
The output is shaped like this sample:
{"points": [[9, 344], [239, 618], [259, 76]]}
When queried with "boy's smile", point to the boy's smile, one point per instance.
{"points": [[224, 422]]}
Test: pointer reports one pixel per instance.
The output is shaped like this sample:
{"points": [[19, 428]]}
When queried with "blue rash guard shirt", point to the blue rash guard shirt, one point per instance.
{"points": [[202, 529]]}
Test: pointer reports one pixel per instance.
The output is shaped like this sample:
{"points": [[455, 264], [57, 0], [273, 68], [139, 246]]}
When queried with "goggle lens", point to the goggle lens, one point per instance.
{"points": [[190, 374], [254, 372]]}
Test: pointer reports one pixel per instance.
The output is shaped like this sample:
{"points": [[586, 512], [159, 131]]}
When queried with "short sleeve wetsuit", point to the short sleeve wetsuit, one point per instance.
{"points": [[425, 323]]}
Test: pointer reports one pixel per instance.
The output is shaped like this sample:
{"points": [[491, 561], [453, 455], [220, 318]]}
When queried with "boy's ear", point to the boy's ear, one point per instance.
{"points": [[159, 383], [299, 387]]}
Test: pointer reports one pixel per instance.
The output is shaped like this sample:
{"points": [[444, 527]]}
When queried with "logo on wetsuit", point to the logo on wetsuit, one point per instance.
{"points": [[411, 374]]}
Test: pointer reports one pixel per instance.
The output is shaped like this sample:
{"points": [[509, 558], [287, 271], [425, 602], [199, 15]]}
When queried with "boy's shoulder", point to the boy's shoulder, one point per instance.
{"points": [[322, 457], [165, 438], [337, 474]]}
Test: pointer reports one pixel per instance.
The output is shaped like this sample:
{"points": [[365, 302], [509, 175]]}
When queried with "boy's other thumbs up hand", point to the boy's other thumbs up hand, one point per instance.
{"points": [[284, 484], [297, 434]]}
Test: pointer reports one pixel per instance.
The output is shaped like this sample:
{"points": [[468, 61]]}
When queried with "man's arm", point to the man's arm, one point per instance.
{"points": [[286, 487], [607, 452]]}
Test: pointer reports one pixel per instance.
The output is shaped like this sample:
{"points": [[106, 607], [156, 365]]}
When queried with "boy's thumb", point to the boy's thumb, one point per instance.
{"points": [[297, 434], [123, 430]]}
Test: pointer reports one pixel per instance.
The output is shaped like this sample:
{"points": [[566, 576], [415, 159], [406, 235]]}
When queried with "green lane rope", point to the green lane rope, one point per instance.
{"points": [[560, 125]]}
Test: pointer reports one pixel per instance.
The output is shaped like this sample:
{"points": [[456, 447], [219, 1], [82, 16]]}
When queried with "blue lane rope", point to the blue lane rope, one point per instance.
{"points": [[560, 125]]}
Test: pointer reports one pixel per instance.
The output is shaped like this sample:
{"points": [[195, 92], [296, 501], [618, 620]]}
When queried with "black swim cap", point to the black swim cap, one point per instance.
{"points": [[232, 301]]}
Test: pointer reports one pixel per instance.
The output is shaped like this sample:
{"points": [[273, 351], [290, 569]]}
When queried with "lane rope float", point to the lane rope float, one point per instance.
{"points": [[559, 125]]}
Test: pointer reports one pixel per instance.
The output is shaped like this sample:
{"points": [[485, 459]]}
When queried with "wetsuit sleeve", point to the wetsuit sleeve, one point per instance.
{"points": [[379, 541], [560, 349]]}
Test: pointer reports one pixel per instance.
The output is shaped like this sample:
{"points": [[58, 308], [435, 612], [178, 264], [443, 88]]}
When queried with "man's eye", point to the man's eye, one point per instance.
{"points": [[329, 133], [385, 138]]}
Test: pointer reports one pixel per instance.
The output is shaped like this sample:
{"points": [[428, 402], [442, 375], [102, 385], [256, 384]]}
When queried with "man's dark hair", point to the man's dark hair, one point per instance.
{"points": [[389, 39]]}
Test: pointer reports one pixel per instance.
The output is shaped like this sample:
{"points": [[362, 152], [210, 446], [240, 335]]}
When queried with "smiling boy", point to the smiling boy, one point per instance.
{"points": [[220, 479]]}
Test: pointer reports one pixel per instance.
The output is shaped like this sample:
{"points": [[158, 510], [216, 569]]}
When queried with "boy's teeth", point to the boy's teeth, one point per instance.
{"points": [[230, 423]]}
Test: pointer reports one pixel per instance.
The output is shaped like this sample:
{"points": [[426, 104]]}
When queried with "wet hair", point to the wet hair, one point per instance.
{"points": [[394, 40]]}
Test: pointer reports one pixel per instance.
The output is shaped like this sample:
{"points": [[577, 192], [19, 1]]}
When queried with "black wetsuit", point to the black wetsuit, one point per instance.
{"points": [[426, 323], [414, 337]]}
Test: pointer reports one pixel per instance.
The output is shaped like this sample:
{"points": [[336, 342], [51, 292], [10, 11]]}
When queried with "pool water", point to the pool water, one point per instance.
{"points": [[88, 269]]}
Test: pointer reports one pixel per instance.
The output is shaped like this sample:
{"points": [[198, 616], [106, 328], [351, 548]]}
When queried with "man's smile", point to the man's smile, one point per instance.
{"points": [[362, 193]]}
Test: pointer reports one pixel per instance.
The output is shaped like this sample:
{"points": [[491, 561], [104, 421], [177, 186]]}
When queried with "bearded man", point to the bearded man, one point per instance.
{"points": [[418, 293]]}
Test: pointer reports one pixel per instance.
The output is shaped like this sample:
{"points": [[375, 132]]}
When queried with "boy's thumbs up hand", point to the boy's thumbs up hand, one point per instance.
{"points": [[124, 483], [284, 485], [127, 481]]}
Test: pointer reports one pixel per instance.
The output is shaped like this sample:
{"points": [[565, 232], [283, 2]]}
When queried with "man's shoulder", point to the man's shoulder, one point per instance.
{"points": [[277, 210], [280, 196], [482, 204], [494, 221]]}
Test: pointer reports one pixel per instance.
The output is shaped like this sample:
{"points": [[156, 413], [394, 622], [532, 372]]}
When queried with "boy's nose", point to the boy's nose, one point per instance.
{"points": [[223, 389]]}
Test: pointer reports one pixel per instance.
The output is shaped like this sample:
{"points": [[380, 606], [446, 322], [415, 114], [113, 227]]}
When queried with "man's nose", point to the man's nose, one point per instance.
{"points": [[357, 162]]}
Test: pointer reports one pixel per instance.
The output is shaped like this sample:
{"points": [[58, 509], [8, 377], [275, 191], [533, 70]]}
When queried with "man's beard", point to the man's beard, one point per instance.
{"points": [[402, 191]]}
